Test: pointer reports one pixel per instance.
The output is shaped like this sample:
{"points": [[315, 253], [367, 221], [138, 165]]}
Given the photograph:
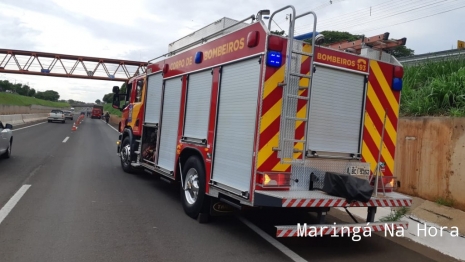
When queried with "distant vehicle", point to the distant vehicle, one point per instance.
{"points": [[68, 115], [97, 112], [6, 140], [56, 115], [72, 109]]}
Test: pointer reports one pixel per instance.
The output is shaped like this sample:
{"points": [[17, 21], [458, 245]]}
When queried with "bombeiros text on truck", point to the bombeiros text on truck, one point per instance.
{"points": [[244, 118]]}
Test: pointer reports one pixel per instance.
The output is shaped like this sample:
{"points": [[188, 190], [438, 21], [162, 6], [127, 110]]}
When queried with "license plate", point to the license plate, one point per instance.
{"points": [[358, 170]]}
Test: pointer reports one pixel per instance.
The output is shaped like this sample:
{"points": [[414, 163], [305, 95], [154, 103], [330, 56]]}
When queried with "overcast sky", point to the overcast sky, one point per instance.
{"points": [[142, 29]]}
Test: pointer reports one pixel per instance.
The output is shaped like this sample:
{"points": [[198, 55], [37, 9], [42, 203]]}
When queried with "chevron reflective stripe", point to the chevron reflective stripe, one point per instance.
{"points": [[296, 202], [380, 97], [267, 159], [337, 230]]}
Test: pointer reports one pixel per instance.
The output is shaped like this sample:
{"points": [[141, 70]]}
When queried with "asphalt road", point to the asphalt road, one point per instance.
{"points": [[82, 207]]}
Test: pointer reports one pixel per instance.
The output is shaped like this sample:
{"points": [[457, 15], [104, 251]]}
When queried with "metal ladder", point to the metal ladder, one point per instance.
{"points": [[291, 88]]}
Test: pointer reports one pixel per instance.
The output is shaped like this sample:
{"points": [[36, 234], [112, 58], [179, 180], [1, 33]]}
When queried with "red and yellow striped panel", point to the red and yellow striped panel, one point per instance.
{"points": [[267, 159], [380, 99]]}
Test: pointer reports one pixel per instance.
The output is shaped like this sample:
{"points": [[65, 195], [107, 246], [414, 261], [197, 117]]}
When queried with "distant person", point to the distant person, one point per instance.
{"points": [[107, 117]]}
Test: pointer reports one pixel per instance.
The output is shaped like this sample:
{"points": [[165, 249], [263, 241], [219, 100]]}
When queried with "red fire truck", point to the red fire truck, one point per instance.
{"points": [[97, 111], [238, 115]]}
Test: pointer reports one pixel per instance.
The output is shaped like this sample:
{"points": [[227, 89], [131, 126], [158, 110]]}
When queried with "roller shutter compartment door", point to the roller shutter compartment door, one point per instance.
{"points": [[153, 101], [198, 105], [233, 150], [336, 107], [170, 123]]}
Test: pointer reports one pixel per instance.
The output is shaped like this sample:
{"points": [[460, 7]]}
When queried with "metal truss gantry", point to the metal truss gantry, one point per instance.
{"points": [[72, 66]]}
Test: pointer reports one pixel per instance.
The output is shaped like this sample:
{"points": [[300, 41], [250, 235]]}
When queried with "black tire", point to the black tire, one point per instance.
{"points": [[126, 156], [193, 206], [64, 121], [7, 154]]}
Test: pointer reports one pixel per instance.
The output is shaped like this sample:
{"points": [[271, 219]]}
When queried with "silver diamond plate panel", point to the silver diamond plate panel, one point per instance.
{"points": [[302, 172]]}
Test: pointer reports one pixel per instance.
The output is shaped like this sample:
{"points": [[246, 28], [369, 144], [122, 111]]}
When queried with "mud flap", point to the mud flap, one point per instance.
{"points": [[219, 208]]}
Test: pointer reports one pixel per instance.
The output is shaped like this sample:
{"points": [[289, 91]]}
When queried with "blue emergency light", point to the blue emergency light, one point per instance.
{"points": [[397, 84], [198, 57], [274, 59]]}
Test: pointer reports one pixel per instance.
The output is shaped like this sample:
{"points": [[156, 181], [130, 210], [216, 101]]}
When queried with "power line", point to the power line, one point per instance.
{"points": [[386, 22], [453, 9], [431, 5], [353, 22]]}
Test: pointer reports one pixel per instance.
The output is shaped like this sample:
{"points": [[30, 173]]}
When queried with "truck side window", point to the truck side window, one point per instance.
{"points": [[139, 87]]}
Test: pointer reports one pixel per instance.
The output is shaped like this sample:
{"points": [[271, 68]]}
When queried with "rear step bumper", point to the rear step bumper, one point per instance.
{"points": [[318, 198], [340, 230]]}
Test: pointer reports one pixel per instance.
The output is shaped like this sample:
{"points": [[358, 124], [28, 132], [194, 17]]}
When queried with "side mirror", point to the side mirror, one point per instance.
{"points": [[116, 90], [116, 101], [9, 126]]}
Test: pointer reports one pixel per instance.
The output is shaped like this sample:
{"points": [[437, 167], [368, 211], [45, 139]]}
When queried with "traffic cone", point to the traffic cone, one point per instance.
{"points": [[74, 127]]}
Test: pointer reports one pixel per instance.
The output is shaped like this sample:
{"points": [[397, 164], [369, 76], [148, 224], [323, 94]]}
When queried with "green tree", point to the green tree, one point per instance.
{"points": [[276, 32], [98, 102], [332, 37], [23, 90], [31, 92], [402, 51], [108, 98], [122, 90], [49, 95]]}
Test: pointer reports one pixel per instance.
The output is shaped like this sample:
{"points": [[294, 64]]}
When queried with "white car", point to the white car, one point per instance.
{"points": [[6, 140]]}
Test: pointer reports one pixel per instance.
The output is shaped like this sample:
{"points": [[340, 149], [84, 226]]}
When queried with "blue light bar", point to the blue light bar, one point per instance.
{"points": [[274, 59], [198, 57], [397, 84], [46, 71], [305, 36]]}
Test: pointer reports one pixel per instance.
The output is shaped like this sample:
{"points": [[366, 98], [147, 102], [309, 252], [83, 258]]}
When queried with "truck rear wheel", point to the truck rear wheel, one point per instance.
{"points": [[193, 190], [126, 155]]}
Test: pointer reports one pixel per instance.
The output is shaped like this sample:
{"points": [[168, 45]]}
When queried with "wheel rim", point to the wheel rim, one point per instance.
{"points": [[191, 186], [125, 154]]}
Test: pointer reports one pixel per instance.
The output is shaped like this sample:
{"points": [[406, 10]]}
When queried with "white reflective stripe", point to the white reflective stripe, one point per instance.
{"points": [[286, 203]]}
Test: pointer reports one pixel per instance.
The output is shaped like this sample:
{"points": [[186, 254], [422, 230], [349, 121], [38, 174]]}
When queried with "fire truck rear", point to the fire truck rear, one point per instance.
{"points": [[246, 118]]}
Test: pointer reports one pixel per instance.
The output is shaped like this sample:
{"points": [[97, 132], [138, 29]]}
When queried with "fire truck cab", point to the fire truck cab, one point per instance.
{"points": [[238, 115]]}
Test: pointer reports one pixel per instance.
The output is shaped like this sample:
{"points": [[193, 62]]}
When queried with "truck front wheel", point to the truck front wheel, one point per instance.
{"points": [[193, 190], [126, 155]]}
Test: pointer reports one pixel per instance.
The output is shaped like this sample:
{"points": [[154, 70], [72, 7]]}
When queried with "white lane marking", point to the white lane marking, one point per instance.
{"points": [[28, 126], [112, 127], [12, 202], [291, 254], [66, 139]]}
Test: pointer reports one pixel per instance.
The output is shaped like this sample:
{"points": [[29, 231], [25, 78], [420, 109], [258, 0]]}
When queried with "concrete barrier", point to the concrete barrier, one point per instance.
{"points": [[12, 119], [19, 119], [28, 118], [32, 109]]}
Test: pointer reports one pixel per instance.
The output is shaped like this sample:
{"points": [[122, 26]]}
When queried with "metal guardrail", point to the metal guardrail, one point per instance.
{"points": [[433, 57]]}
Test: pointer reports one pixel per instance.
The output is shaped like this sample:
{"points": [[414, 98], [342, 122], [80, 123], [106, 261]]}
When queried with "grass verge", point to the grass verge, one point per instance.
{"points": [[434, 89], [109, 108], [395, 215], [19, 100], [445, 202]]}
